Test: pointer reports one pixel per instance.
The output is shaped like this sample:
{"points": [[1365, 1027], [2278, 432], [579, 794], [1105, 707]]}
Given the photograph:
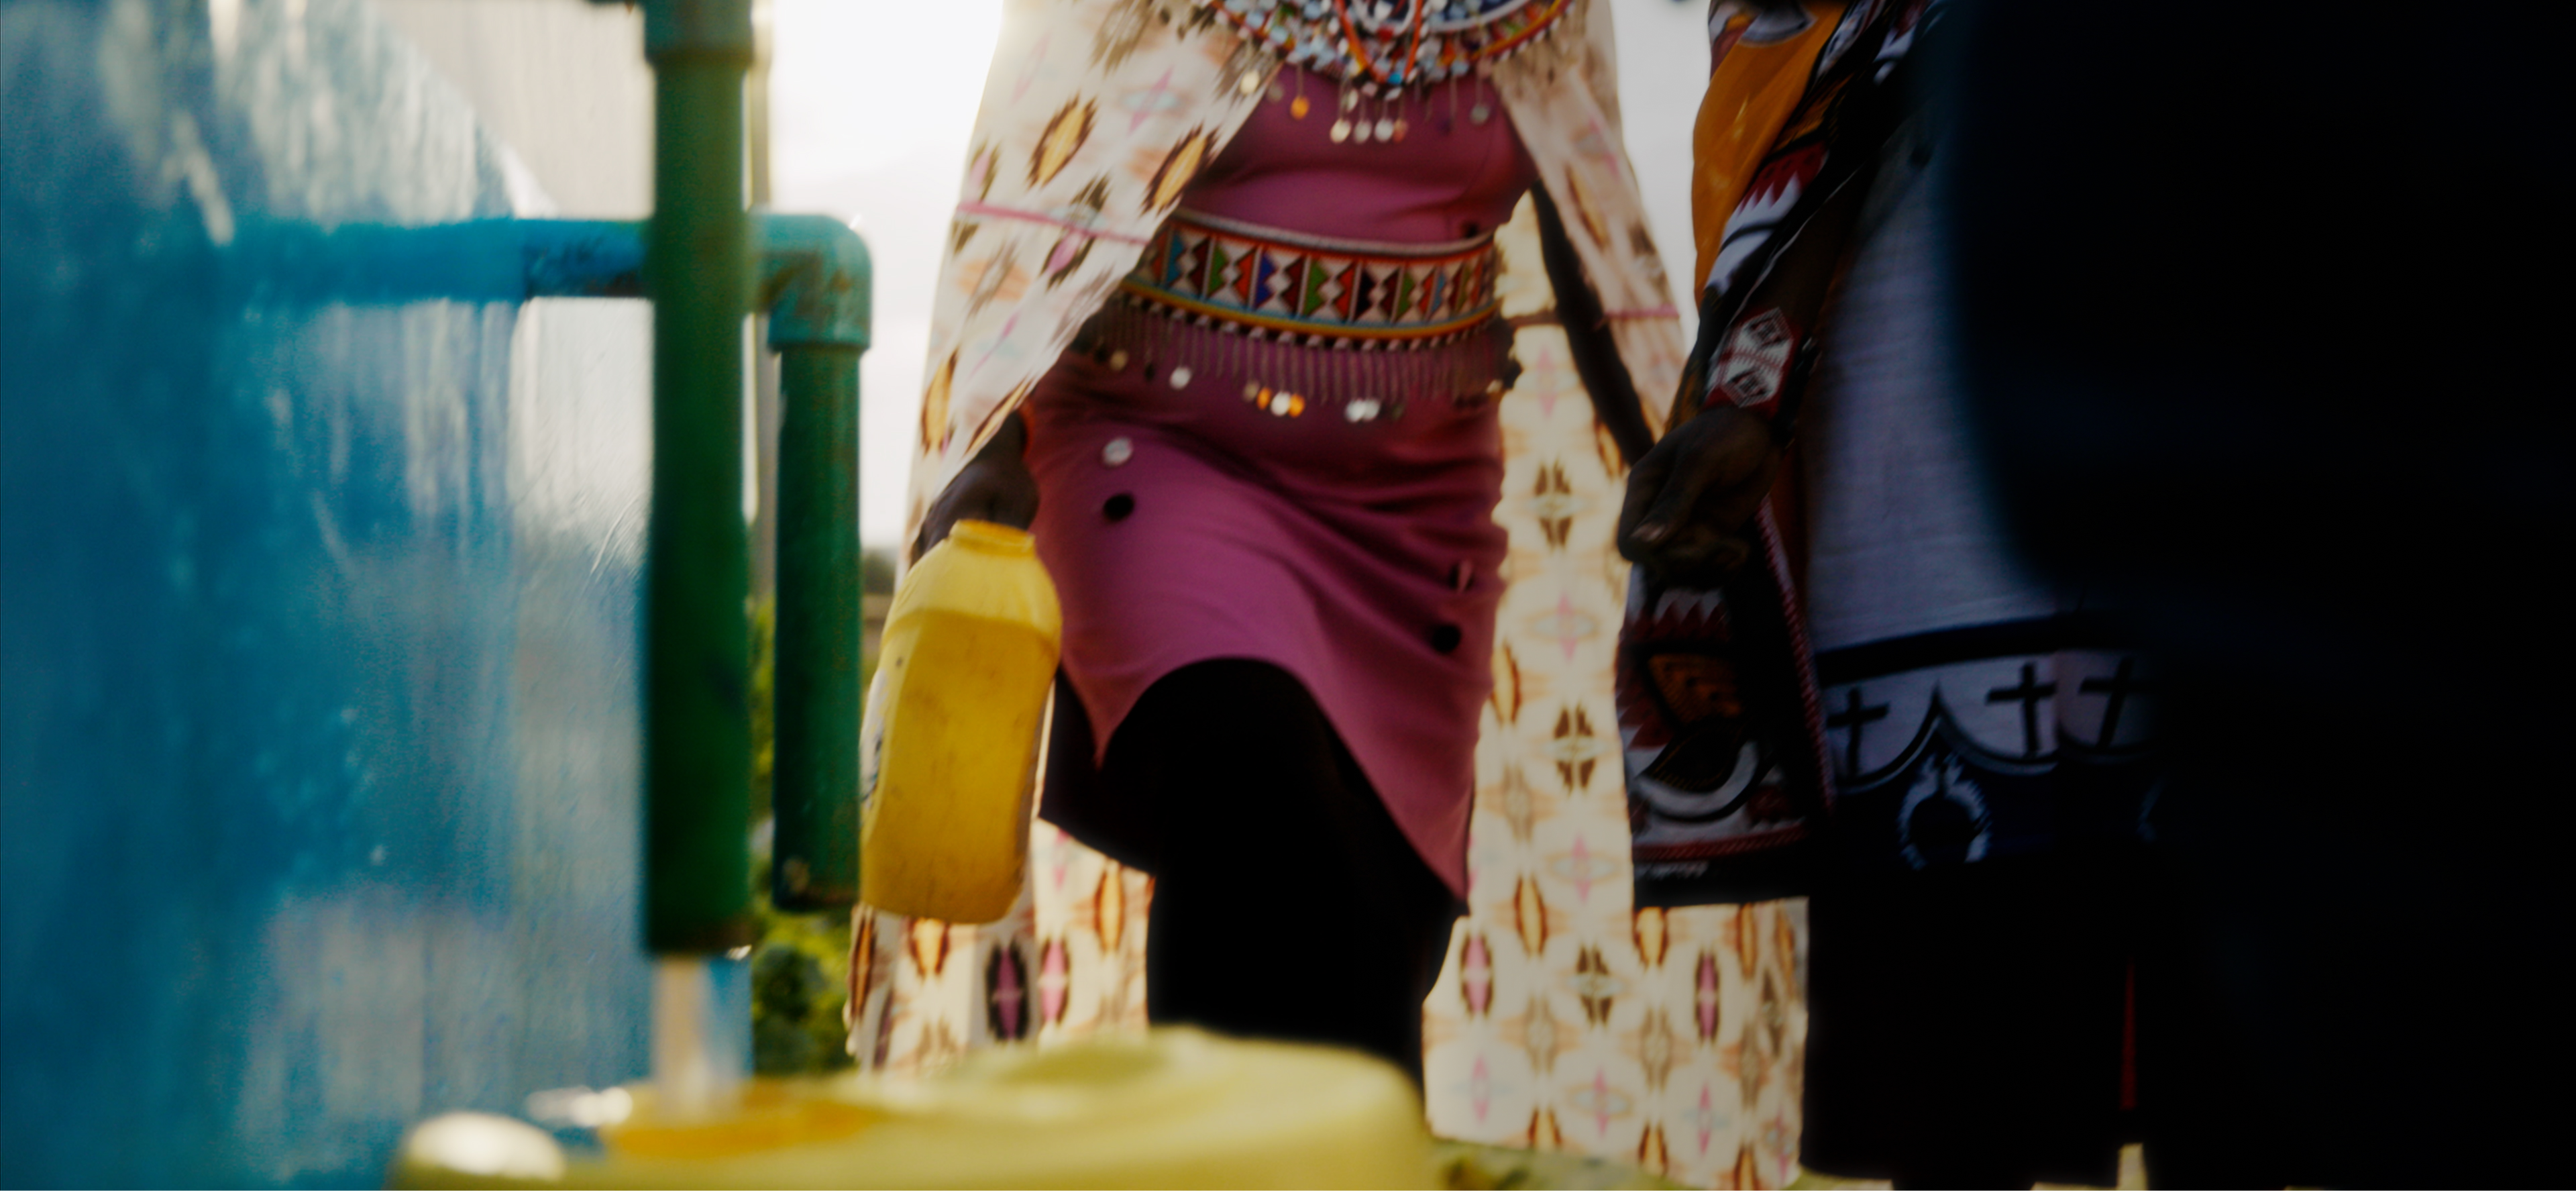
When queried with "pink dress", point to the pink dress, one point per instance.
{"points": [[1205, 494]]}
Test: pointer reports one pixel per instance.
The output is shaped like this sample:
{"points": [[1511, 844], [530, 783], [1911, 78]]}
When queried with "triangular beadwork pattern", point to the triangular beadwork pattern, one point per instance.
{"points": [[1364, 299]]}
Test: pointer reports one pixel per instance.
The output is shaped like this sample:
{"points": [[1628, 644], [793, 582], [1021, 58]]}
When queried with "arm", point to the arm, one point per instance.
{"points": [[1691, 496], [1587, 337], [994, 486]]}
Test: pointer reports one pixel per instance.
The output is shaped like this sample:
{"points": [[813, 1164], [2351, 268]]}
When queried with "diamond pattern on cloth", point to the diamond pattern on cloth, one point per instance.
{"points": [[1566, 1018]]}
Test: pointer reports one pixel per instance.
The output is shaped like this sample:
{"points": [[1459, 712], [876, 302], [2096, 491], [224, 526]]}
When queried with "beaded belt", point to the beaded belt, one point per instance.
{"points": [[1265, 283]]}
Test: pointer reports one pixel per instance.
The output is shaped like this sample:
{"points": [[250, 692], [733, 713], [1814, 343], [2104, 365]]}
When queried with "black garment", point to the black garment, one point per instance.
{"points": [[2192, 255], [1970, 1018], [2017, 1021], [1287, 904]]}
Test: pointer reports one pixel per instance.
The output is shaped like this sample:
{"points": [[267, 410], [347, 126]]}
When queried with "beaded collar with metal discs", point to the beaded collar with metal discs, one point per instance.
{"points": [[1391, 45]]}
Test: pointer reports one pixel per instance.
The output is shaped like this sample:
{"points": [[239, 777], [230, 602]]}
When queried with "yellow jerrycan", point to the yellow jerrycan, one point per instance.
{"points": [[1171, 1108], [948, 748]]}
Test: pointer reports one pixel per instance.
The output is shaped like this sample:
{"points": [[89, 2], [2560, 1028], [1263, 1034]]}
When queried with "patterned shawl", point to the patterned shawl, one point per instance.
{"points": [[1096, 116], [1680, 1050], [1719, 711]]}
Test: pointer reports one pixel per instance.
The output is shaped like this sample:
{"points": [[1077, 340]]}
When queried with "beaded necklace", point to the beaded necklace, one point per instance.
{"points": [[1391, 45]]}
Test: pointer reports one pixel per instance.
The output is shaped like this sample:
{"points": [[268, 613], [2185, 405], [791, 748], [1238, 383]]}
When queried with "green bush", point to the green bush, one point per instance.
{"points": [[800, 970]]}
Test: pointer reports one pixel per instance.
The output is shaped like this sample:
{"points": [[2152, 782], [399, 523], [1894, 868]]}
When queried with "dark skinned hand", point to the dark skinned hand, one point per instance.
{"points": [[994, 486], [1691, 497]]}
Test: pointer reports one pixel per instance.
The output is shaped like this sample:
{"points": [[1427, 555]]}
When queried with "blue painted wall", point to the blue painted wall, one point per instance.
{"points": [[317, 626]]}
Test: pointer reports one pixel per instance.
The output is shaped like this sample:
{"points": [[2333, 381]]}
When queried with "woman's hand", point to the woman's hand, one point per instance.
{"points": [[1691, 496], [994, 486]]}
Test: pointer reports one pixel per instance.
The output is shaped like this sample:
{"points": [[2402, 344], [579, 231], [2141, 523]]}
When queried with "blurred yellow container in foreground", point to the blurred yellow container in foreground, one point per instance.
{"points": [[948, 752], [1172, 1108]]}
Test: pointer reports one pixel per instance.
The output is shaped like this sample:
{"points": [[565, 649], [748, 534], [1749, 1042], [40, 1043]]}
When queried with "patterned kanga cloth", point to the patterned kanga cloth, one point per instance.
{"points": [[1973, 712]]}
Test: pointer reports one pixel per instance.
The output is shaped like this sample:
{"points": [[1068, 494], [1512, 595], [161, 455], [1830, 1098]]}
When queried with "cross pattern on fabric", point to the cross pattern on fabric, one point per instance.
{"points": [[2122, 683], [2030, 693], [1855, 716]]}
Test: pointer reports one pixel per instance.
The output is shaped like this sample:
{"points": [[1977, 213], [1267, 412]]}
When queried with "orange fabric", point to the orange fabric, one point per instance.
{"points": [[1751, 93]]}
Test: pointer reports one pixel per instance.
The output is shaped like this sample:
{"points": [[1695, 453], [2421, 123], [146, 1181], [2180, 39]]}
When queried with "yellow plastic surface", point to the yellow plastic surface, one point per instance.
{"points": [[770, 1114], [1173, 1108], [949, 748]]}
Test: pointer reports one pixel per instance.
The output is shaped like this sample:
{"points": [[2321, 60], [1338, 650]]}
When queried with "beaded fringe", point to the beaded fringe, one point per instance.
{"points": [[1357, 381]]}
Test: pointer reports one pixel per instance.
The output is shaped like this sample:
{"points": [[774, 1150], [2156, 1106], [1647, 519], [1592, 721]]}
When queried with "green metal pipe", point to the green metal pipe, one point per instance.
{"points": [[815, 281], [815, 284], [814, 771], [697, 635]]}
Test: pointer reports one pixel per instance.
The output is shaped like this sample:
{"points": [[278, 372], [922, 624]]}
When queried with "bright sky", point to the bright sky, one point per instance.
{"points": [[871, 102]]}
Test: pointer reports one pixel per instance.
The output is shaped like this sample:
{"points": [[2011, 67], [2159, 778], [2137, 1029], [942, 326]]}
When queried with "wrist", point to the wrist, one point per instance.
{"points": [[1009, 444], [1762, 368]]}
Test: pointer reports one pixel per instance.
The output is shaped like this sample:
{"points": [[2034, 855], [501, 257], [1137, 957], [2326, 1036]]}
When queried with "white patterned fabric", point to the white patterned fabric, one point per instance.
{"points": [[1564, 1020]]}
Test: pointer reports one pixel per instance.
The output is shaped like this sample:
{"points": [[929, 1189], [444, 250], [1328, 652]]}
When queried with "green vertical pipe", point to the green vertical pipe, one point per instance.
{"points": [[697, 270], [815, 769]]}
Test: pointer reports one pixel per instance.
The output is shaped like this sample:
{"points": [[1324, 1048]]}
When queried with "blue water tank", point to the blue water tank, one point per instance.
{"points": [[318, 623]]}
